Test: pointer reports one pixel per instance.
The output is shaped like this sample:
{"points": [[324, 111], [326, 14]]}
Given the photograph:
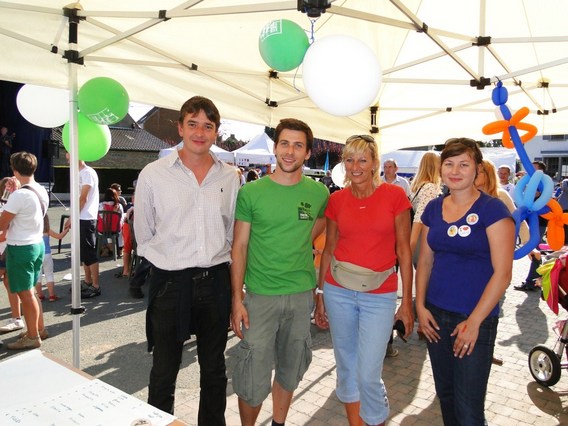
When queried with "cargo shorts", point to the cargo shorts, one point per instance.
{"points": [[279, 335]]}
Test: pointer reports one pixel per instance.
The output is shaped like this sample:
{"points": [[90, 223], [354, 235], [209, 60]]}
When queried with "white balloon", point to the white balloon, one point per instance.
{"points": [[338, 175], [43, 106], [341, 74]]}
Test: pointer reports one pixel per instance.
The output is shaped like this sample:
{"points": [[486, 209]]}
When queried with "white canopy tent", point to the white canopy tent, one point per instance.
{"points": [[408, 161], [435, 55], [259, 150], [430, 51], [223, 154]]}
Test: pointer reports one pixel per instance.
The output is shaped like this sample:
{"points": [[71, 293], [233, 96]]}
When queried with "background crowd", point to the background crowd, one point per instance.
{"points": [[195, 216]]}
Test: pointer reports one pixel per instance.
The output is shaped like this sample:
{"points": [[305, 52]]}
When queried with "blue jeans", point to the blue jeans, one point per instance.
{"points": [[210, 308], [461, 383], [360, 325]]}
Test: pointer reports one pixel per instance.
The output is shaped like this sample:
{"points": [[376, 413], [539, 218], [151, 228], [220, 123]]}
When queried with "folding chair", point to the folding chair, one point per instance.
{"points": [[108, 228]]}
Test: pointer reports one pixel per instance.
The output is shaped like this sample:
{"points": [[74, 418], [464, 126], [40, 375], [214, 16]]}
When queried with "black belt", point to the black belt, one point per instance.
{"points": [[198, 271]]}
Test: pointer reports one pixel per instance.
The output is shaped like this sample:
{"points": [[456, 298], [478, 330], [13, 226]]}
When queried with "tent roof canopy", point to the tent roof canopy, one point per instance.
{"points": [[259, 150], [439, 59]]}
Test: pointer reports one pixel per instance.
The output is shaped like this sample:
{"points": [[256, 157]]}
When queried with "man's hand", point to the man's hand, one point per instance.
{"points": [[239, 318], [12, 184]]}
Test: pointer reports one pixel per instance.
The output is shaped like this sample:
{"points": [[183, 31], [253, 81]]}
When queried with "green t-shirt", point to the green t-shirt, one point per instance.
{"points": [[279, 258]]}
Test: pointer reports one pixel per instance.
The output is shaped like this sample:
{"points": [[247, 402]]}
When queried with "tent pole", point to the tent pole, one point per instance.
{"points": [[76, 309], [482, 32]]}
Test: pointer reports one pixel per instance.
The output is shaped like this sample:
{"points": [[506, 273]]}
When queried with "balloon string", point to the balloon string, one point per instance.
{"points": [[294, 80], [312, 31], [312, 39]]}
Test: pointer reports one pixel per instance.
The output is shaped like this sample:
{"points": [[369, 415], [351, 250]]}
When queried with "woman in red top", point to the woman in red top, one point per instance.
{"points": [[367, 225]]}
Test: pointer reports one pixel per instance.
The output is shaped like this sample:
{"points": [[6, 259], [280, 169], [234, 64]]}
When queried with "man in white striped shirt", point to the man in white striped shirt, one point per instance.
{"points": [[184, 213]]}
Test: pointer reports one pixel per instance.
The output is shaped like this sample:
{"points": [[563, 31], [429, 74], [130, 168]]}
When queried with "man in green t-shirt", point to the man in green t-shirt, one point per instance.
{"points": [[276, 219]]}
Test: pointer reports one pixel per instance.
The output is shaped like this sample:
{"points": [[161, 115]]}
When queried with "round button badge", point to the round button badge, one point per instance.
{"points": [[464, 231], [472, 219], [452, 231]]}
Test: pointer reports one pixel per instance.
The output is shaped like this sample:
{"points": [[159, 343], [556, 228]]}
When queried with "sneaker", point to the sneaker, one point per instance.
{"points": [[84, 286], [53, 298], [25, 343], [42, 334], [90, 292], [13, 324], [136, 293], [391, 351]]}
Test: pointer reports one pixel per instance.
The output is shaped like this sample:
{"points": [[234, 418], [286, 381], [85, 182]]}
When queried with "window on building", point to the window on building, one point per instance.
{"points": [[552, 166], [555, 138]]}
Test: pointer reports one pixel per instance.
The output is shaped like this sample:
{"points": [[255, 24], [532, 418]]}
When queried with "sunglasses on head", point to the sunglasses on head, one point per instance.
{"points": [[366, 138]]}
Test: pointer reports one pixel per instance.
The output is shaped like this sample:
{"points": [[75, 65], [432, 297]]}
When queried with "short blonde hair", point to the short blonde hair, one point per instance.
{"points": [[356, 145]]}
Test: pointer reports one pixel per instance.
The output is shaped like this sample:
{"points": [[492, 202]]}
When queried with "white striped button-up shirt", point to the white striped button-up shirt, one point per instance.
{"points": [[180, 224]]}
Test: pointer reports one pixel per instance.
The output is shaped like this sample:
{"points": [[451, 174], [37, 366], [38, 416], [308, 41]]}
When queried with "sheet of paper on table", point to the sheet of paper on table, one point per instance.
{"points": [[39, 391]]}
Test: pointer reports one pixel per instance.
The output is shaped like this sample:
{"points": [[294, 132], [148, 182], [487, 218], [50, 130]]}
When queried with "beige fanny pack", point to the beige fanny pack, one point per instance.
{"points": [[358, 278]]}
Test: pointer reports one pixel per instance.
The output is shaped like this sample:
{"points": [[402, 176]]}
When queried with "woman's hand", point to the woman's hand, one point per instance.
{"points": [[428, 325], [320, 315], [406, 315], [466, 336]]}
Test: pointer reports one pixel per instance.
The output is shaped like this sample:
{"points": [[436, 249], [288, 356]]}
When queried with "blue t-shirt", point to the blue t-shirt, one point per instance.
{"points": [[462, 259], [46, 244]]}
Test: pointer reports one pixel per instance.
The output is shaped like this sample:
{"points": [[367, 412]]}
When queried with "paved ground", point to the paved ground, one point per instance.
{"points": [[113, 349]]}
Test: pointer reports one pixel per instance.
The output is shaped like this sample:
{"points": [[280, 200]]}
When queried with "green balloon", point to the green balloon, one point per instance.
{"points": [[103, 100], [283, 44], [94, 139]]}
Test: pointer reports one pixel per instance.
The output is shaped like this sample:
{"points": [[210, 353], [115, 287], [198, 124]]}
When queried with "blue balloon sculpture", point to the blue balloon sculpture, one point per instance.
{"points": [[534, 190]]}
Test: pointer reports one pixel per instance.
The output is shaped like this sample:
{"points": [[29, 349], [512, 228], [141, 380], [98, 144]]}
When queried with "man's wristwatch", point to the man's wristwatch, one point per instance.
{"points": [[319, 290]]}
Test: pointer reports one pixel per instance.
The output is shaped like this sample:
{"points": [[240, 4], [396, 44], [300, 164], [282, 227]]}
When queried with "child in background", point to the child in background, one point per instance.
{"points": [[127, 249], [47, 267]]}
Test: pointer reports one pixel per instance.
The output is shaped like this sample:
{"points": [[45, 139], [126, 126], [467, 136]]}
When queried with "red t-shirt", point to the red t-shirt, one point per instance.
{"points": [[367, 229]]}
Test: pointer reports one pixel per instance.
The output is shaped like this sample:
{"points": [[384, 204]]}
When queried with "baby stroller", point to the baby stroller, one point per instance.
{"points": [[546, 364]]}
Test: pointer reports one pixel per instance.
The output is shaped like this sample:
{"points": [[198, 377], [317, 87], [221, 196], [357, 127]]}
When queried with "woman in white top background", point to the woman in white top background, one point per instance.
{"points": [[424, 188]]}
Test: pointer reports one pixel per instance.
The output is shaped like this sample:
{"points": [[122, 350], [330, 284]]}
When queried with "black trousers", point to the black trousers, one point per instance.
{"points": [[209, 311]]}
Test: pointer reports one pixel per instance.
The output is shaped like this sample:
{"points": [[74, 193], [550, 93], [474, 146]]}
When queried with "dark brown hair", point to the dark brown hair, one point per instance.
{"points": [[198, 103], [458, 146], [111, 195], [25, 163], [294, 124]]}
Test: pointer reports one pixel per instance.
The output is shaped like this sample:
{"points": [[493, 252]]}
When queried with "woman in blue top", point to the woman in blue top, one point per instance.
{"points": [[464, 268]]}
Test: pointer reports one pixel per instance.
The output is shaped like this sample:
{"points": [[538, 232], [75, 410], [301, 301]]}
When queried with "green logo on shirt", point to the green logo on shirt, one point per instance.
{"points": [[304, 211]]}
